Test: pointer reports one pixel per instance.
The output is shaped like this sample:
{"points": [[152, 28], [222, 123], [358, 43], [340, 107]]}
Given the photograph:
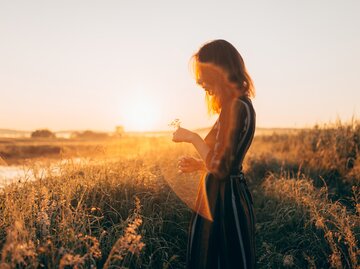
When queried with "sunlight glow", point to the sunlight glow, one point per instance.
{"points": [[141, 112]]}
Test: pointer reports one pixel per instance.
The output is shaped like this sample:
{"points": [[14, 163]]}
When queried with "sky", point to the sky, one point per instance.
{"points": [[68, 65]]}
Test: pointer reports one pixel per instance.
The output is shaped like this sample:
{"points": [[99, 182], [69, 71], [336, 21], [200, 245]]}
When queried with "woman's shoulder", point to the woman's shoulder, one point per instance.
{"points": [[242, 101], [243, 105], [237, 106], [244, 98]]}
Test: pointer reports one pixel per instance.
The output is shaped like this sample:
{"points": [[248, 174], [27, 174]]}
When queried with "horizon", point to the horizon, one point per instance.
{"points": [[96, 173], [127, 64], [321, 124]]}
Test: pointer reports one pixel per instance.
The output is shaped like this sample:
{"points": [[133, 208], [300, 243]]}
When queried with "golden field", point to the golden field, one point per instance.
{"points": [[110, 205]]}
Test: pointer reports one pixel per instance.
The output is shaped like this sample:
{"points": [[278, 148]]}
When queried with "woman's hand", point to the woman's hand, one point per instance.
{"points": [[189, 164], [183, 135]]}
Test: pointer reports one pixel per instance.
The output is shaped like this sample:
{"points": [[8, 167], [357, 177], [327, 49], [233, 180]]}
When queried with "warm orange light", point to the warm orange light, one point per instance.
{"points": [[140, 113]]}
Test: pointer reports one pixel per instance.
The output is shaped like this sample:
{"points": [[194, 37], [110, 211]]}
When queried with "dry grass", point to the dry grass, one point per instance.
{"points": [[338, 224], [115, 209]]}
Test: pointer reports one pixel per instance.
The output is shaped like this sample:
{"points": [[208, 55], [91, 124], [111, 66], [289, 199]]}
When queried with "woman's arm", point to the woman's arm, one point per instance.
{"points": [[219, 147], [219, 159], [188, 164], [184, 135], [200, 145]]}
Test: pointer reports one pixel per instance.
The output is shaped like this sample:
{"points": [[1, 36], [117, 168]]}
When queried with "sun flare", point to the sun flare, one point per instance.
{"points": [[141, 113]]}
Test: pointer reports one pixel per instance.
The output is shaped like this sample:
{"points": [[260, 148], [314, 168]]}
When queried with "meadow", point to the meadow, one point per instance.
{"points": [[115, 208]]}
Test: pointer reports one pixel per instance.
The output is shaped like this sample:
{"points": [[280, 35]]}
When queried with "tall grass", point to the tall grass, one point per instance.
{"points": [[89, 216], [329, 152], [332, 228], [119, 211]]}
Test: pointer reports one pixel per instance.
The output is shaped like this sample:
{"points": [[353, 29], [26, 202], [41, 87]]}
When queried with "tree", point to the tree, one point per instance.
{"points": [[119, 131], [43, 133]]}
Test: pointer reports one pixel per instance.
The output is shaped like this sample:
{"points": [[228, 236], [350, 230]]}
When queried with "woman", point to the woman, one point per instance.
{"points": [[227, 240]]}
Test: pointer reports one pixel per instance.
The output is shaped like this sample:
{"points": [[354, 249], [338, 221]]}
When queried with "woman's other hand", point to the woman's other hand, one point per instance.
{"points": [[189, 164], [183, 135]]}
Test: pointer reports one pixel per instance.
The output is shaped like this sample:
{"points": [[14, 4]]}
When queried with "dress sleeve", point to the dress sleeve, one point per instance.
{"points": [[231, 127]]}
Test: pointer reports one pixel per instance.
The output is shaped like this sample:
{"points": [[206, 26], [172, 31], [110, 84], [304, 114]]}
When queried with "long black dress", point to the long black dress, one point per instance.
{"points": [[229, 240]]}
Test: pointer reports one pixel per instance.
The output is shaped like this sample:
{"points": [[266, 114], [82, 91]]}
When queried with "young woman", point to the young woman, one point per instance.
{"points": [[227, 239]]}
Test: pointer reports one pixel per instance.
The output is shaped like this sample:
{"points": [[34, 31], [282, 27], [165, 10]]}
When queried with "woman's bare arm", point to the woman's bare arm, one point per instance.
{"points": [[187, 164], [200, 145], [184, 135]]}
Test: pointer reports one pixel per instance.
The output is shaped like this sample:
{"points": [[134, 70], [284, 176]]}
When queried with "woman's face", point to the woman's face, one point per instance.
{"points": [[210, 89], [214, 90]]}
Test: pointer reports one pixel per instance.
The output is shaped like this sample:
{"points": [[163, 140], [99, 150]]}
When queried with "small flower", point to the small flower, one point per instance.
{"points": [[288, 261], [175, 123], [320, 223]]}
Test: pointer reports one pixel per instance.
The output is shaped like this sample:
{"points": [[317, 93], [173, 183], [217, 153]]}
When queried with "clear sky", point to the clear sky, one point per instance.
{"points": [[96, 64]]}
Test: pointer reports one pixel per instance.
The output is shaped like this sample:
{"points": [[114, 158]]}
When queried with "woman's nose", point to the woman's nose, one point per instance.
{"points": [[209, 92]]}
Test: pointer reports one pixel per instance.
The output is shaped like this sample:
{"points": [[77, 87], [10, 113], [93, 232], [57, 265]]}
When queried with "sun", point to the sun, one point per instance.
{"points": [[141, 113]]}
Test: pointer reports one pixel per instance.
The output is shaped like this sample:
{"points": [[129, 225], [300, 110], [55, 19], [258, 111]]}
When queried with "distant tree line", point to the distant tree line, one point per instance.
{"points": [[88, 134]]}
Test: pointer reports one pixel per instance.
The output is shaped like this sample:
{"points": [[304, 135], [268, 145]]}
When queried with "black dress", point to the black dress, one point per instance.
{"points": [[229, 240]]}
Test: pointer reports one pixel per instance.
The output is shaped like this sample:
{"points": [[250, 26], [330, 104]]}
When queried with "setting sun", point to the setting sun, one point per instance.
{"points": [[179, 134], [140, 113]]}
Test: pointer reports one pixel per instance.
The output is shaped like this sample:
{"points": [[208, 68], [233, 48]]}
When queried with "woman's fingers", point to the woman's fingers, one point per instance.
{"points": [[185, 158], [184, 165], [182, 135], [187, 168], [182, 161], [187, 164]]}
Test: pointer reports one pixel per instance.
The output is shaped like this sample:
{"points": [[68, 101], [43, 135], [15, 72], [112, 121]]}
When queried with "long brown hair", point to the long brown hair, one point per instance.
{"points": [[218, 63]]}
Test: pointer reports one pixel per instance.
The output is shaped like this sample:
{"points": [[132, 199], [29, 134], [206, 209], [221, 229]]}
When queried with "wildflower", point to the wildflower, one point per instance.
{"points": [[319, 223], [335, 260], [130, 241], [71, 260], [288, 261], [18, 248], [175, 123]]}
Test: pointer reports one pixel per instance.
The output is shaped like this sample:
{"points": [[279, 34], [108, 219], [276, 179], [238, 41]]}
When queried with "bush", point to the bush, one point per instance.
{"points": [[89, 135], [43, 133]]}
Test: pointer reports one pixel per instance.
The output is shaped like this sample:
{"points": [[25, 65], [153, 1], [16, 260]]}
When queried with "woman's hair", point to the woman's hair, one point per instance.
{"points": [[218, 63]]}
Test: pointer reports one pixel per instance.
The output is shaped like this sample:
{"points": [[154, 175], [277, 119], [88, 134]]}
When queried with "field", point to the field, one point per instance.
{"points": [[110, 205]]}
